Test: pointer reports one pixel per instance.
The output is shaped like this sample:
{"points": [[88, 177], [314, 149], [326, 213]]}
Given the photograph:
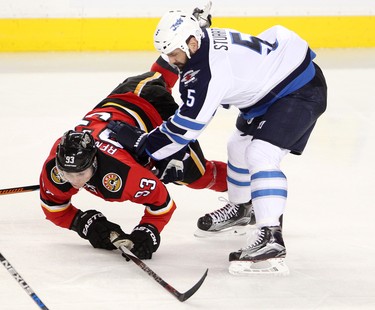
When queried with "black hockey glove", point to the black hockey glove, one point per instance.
{"points": [[92, 225], [130, 137], [146, 239], [203, 16], [169, 170]]}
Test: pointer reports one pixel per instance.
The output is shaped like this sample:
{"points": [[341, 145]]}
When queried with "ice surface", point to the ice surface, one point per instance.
{"points": [[327, 225]]}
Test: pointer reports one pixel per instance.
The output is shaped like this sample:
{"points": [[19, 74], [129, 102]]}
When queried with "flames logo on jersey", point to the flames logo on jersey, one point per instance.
{"points": [[56, 176], [189, 77], [112, 182]]}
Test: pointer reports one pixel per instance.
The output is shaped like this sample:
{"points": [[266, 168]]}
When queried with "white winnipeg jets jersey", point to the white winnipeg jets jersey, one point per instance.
{"points": [[236, 69]]}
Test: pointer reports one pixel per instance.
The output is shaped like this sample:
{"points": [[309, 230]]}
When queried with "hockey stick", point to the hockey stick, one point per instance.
{"points": [[22, 282], [16, 190], [180, 296]]}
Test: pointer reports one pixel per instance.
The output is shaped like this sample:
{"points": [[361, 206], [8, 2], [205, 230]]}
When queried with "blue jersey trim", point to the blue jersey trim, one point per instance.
{"points": [[298, 78], [238, 170], [238, 183], [178, 139], [268, 175], [269, 192], [187, 123]]}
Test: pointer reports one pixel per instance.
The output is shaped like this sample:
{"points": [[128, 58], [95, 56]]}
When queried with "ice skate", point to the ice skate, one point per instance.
{"points": [[232, 219], [265, 255]]}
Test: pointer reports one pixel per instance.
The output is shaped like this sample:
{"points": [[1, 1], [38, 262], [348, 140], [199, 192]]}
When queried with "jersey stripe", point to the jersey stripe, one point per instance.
{"points": [[132, 113], [55, 208], [142, 83], [162, 210]]}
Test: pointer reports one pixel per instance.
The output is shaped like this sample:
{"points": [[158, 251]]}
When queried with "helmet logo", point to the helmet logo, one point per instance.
{"points": [[69, 160], [174, 29], [85, 141], [112, 182], [56, 176], [177, 24]]}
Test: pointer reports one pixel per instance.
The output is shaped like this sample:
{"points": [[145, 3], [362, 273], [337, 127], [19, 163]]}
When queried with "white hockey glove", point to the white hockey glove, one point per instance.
{"points": [[203, 16]]}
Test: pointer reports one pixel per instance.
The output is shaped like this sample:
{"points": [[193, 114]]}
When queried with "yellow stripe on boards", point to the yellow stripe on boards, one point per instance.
{"points": [[132, 34], [319, 31], [76, 34]]}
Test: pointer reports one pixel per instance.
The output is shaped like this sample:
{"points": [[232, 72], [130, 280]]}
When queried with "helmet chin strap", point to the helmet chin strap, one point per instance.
{"points": [[187, 52], [94, 165]]}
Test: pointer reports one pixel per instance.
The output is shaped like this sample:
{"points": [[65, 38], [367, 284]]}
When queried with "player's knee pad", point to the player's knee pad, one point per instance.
{"points": [[237, 145], [262, 155]]}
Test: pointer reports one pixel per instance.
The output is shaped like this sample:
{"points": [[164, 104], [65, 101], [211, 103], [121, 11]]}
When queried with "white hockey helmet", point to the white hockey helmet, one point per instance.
{"points": [[173, 30]]}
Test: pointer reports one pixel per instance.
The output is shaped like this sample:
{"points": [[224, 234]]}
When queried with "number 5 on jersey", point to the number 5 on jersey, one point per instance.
{"points": [[190, 97]]}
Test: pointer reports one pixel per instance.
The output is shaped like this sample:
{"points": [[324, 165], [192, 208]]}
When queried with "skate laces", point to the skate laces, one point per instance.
{"points": [[255, 239], [224, 213]]}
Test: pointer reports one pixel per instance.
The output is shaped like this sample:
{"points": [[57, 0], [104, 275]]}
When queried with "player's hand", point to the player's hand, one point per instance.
{"points": [[203, 16], [93, 226], [146, 240], [169, 170], [118, 241], [130, 137]]}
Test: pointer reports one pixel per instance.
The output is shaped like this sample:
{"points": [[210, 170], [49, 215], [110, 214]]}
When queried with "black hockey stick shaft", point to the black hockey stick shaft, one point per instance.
{"points": [[16, 190], [22, 282], [130, 256], [180, 296]]}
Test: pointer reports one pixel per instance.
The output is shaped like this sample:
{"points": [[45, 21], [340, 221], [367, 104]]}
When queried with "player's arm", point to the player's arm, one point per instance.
{"points": [[143, 187], [91, 224], [55, 196], [168, 72]]}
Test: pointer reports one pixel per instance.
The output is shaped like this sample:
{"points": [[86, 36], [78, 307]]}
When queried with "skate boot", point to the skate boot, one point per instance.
{"points": [[230, 219], [265, 255]]}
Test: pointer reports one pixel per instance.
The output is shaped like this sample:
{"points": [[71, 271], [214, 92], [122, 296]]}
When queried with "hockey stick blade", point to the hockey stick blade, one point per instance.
{"points": [[180, 296], [184, 296], [17, 190], [130, 256]]}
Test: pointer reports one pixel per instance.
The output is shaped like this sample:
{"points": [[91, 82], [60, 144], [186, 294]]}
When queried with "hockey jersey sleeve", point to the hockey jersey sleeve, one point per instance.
{"points": [[55, 194], [233, 69], [169, 73], [143, 187], [201, 92]]}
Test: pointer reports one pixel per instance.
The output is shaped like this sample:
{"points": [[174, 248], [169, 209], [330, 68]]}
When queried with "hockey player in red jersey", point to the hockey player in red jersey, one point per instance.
{"points": [[88, 158]]}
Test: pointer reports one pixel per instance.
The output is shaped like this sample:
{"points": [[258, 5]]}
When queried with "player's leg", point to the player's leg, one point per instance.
{"points": [[200, 173], [237, 211], [268, 192], [286, 125]]}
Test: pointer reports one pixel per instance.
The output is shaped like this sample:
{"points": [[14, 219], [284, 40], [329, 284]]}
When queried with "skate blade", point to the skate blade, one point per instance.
{"points": [[272, 266], [228, 232]]}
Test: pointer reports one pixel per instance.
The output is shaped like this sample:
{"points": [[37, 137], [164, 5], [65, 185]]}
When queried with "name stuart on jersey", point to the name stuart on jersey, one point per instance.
{"points": [[220, 39]]}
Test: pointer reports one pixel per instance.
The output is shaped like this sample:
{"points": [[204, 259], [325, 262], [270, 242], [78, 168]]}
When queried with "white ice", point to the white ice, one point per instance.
{"points": [[327, 226]]}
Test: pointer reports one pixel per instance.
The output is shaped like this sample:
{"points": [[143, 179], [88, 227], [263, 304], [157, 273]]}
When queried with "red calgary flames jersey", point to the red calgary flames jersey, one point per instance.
{"points": [[119, 177]]}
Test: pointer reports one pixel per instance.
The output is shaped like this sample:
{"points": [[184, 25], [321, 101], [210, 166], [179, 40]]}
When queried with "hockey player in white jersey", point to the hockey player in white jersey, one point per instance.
{"points": [[280, 93]]}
